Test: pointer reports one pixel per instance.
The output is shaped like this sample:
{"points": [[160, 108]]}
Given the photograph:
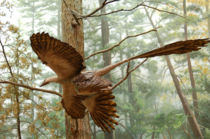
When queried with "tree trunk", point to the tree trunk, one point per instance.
{"points": [[191, 118], [73, 34], [187, 133], [17, 96], [122, 88], [131, 99], [107, 55], [153, 133], [164, 137], [131, 94], [94, 131], [192, 81]]}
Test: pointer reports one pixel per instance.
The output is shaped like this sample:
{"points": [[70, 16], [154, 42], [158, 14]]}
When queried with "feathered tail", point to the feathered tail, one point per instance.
{"points": [[104, 111], [96, 95], [179, 47]]}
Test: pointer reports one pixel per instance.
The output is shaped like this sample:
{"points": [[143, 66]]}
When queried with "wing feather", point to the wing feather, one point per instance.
{"points": [[59, 56], [74, 108]]}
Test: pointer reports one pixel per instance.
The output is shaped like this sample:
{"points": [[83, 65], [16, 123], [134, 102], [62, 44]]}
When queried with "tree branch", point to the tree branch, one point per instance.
{"points": [[32, 88], [118, 44], [74, 13], [128, 73], [16, 93], [116, 11], [127, 10], [99, 8], [77, 16], [5, 57], [162, 10]]}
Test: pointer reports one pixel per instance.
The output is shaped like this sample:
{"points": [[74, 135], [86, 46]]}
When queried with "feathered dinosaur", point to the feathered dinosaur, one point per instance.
{"points": [[91, 91]]}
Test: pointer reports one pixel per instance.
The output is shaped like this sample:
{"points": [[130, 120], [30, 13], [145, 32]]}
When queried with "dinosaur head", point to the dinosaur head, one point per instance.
{"points": [[49, 80]]}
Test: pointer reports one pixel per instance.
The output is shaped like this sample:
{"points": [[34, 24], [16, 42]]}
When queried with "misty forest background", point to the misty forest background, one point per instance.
{"points": [[147, 101]]}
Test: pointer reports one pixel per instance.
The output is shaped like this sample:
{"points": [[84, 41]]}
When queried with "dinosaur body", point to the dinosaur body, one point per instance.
{"points": [[89, 90]]}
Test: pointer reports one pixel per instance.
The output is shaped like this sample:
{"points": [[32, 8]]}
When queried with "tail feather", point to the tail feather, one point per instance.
{"points": [[99, 122], [108, 118], [179, 47], [109, 110], [108, 122], [107, 103], [102, 98], [103, 111]]}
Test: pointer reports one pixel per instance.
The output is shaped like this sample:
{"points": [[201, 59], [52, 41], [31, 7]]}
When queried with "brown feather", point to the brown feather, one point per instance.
{"points": [[59, 56], [91, 91], [76, 109], [96, 96], [179, 47]]}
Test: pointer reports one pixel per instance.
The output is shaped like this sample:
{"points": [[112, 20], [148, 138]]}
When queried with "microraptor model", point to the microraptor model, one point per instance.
{"points": [[87, 89]]}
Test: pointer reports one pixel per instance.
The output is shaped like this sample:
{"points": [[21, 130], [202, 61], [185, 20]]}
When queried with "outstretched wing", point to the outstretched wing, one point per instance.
{"points": [[62, 58], [73, 107], [96, 95], [179, 47]]}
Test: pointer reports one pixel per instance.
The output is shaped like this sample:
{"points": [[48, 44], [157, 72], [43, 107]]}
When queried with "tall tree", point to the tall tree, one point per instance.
{"points": [[107, 55], [192, 80], [72, 31], [191, 117]]}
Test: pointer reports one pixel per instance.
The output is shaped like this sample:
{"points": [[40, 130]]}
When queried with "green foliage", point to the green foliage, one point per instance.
{"points": [[170, 121], [204, 117], [151, 106], [38, 117]]}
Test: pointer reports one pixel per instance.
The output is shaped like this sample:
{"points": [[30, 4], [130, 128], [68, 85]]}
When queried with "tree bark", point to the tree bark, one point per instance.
{"points": [[72, 33], [191, 117]]}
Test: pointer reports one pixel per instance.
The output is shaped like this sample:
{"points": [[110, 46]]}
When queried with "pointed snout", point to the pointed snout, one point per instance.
{"points": [[49, 80]]}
